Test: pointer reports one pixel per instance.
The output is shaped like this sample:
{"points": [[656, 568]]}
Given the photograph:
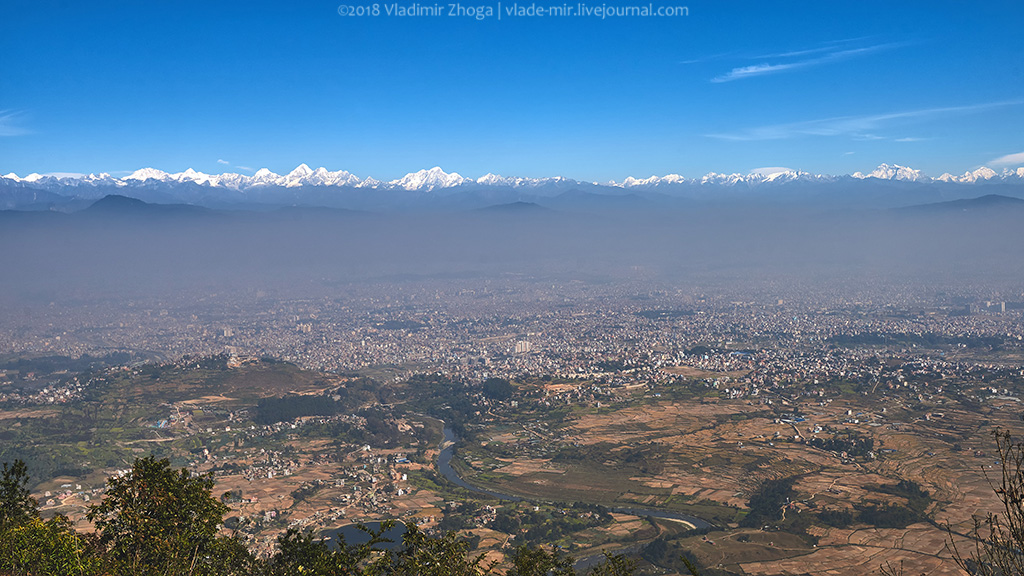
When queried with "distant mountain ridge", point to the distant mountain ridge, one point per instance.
{"points": [[436, 178], [438, 189], [982, 203]]}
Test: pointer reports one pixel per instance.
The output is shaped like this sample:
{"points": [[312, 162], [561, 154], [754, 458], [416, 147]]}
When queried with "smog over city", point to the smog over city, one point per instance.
{"points": [[722, 288]]}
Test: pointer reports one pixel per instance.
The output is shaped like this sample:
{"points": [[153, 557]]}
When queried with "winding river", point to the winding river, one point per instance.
{"points": [[444, 464]]}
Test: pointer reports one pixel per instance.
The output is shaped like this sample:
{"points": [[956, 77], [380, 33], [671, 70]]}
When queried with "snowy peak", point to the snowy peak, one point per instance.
{"points": [[297, 176], [427, 180], [491, 179], [148, 174], [300, 171], [264, 177], [755, 178], [726, 179], [651, 181], [191, 175], [517, 182], [981, 174], [893, 172]]}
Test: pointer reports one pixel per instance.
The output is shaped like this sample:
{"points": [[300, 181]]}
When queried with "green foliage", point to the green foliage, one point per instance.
{"points": [[614, 565], [766, 504], [507, 521], [230, 557], [851, 443], [889, 516], [443, 398], [649, 458], [301, 554], [917, 498], [536, 561], [669, 555], [44, 461], [459, 517], [348, 398], [422, 555], [156, 520], [271, 410], [546, 526], [498, 389], [50, 548], [16, 503], [836, 518]]}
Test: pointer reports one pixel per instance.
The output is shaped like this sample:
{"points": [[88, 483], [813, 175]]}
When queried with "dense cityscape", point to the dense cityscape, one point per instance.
{"points": [[511, 328]]}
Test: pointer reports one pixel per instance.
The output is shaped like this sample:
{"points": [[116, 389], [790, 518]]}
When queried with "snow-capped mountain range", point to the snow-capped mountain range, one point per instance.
{"points": [[437, 179], [886, 186]]}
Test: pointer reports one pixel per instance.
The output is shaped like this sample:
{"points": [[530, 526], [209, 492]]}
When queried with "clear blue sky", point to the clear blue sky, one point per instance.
{"points": [[830, 87]]}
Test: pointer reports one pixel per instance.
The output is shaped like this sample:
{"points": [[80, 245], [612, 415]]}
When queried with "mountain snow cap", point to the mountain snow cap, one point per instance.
{"points": [[428, 180], [147, 174], [893, 172]]}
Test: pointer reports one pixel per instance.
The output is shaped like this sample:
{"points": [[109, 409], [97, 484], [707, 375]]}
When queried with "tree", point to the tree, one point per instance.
{"points": [[767, 502], [422, 555], [999, 538], [50, 548], [16, 503], [156, 520], [300, 553], [498, 389], [614, 565], [536, 561]]}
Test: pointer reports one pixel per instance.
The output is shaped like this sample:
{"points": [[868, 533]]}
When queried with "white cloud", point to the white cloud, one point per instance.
{"points": [[765, 69], [10, 121], [245, 168], [769, 170], [1008, 160], [911, 139], [832, 45], [856, 127], [756, 70], [222, 161]]}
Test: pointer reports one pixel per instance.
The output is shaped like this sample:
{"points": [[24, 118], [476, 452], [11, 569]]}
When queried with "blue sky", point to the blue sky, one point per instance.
{"points": [[829, 87]]}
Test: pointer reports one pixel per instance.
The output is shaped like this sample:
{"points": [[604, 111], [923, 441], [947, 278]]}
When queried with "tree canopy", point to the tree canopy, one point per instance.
{"points": [[156, 520], [16, 503]]}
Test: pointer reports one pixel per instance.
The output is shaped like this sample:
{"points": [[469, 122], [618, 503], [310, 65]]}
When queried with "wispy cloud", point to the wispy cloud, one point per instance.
{"points": [[769, 170], [831, 55], [911, 139], [1009, 160], [224, 162], [856, 127], [10, 123], [830, 46]]}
